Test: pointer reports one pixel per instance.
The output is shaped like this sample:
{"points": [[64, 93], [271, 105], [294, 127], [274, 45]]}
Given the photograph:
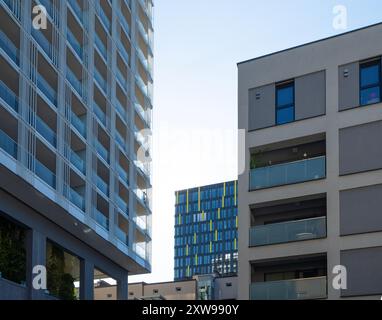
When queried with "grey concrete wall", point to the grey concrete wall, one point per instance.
{"points": [[360, 148], [360, 210], [224, 292], [364, 276], [348, 86], [310, 91], [262, 112]]}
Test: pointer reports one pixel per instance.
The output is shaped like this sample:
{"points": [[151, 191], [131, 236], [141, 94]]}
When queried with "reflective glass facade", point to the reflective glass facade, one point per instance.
{"points": [[206, 230]]}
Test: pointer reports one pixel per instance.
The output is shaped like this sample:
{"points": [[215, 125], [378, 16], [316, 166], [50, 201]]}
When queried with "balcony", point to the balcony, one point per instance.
{"points": [[123, 52], [14, 7], [45, 131], [120, 109], [101, 150], [10, 49], [74, 44], [45, 174], [77, 161], [102, 185], [100, 80], [124, 23], [142, 85], [144, 114], [143, 59], [8, 96], [46, 89], [295, 289], [78, 124], [101, 219], [77, 199], [289, 231], [99, 113], [122, 80], [103, 17], [143, 31], [73, 80], [122, 205], [142, 195], [42, 42], [123, 174], [288, 173], [100, 46], [140, 250], [121, 235], [77, 10], [8, 144], [140, 222], [121, 142]]}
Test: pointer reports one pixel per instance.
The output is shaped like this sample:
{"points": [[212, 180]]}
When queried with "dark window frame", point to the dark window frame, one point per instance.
{"points": [[283, 85], [367, 64]]}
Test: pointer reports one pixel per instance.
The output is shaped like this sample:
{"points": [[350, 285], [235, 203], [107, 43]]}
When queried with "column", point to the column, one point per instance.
{"points": [[86, 280]]}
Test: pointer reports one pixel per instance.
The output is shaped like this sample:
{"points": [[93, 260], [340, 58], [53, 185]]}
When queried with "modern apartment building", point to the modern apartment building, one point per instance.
{"points": [[75, 119], [311, 193], [206, 230]]}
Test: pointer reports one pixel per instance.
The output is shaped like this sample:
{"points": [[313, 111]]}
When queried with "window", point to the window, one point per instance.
{"points": [[285, 103], [155, 291], [228, 284], [178, 289], [370, 82]]}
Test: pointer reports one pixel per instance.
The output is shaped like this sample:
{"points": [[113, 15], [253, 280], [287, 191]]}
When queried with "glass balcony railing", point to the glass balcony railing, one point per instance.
{"points": [[295, 289], [102, 185], [123, 52], [72, 78], [75, 44], [124, 24], [120, 109], [99, 113], [77, 161], [142, 85], [120, 141], [144, 114], [77, 199], [100, 80], [9, 96], [8, 144], [123, 174], [10, 49], [42, 42], [104, 19], [78, 124], [288, 231], [122, 205], [140, 222], [46, 89], [45, 174], [100, 46], [121, 79], [142, 195], [45, 131], [141, 166], [101, 219], [143, 31], [77, 9], [140, 250], [101, 150], [288, 173], [142, 58], [121, 235]]}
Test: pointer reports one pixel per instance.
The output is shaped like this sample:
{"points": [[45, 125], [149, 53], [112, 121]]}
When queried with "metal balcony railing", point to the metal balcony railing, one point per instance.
{"points": [[9, 96], [10, 49]]}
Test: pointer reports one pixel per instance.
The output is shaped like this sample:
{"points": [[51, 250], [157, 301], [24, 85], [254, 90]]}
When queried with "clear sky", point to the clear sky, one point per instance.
{"points": [[197, 46]]}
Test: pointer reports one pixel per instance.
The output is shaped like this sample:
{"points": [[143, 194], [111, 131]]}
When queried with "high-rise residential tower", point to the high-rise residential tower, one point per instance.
{"points": [[206, 230], [75, 119], [310, 198]]}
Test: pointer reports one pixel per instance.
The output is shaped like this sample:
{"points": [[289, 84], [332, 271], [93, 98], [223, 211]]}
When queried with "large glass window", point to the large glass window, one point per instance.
{"points": [[370, 81], [12, 251], [285, 103]]}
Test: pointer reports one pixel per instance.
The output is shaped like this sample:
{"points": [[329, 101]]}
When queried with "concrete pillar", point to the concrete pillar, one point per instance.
{"points": [[86, 280], [36, 255], [122, 287]]}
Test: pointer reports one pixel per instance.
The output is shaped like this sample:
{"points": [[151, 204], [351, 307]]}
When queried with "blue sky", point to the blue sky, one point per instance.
{"points": [[197, 46]]}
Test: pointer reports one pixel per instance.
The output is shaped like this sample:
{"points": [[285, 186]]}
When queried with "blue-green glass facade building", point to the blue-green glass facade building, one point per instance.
{"points": [[206, 230]]}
